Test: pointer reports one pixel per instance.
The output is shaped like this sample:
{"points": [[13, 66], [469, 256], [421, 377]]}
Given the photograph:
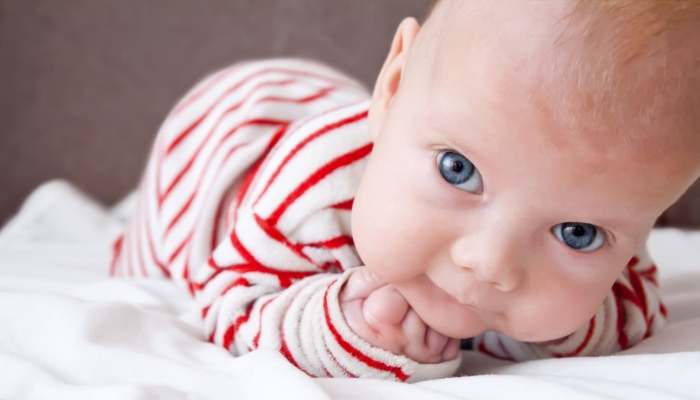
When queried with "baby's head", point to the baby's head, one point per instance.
{"points": [[523, 151]]}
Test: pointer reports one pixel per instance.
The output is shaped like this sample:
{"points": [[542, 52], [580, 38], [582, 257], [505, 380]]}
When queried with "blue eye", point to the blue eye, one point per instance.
{"points": [[579, 236], [459, 171]]}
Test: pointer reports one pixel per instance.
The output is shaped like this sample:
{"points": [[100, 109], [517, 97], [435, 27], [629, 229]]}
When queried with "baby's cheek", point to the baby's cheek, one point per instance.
{"points": [[555, 310], [387, 245], [407, 251]]}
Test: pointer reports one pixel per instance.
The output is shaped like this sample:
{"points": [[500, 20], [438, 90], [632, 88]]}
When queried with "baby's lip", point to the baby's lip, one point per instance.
{"points": [[464, 300]]}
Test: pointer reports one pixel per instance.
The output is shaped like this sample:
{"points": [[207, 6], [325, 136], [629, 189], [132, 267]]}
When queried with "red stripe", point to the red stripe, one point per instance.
{"points": [[217, 218], [650, 275], [245, 79], [586, 339], [183, 171], [216, 174], [332, 264], [345, 371], [227, 194], [256, 339], [228, 335], [180, 213], [213, 81], [238, 282], [253, 174], [622, 335], [288, 355], [322, 93], [482, 348], [321, 173], [179, 248], [116, 254], [188, 165], [639, 291], [624, 292], [276, 137], [199, 180], [318, 95], [241, 249], [186, 277], [277, 236], [217, 270], [649, 325], [182, 136], [152, 251], [322, 131], [235, 107], [357, 354], [325, 371], [346, 205], [245, 185], [633, 261], [334, 243], [500, 344], [662, 310], [205, 311], [286, 278], [321, 115]]}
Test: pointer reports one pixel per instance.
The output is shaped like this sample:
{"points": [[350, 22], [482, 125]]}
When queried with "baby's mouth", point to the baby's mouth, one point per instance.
{"points": [[467, 297]]}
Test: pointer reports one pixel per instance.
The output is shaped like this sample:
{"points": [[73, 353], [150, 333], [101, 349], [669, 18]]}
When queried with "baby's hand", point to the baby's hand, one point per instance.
{"points": [[380, 315]]}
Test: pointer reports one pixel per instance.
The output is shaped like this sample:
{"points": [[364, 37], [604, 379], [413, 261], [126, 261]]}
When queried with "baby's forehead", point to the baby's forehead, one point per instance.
{"points": [[578, 67]]}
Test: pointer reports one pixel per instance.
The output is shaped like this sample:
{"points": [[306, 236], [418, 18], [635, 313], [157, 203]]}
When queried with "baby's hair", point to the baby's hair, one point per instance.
{"points": [[638, 21], [644, 18]]}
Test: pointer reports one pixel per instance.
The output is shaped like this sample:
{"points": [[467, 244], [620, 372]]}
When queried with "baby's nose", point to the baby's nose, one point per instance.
{"points": [[492, 258]]}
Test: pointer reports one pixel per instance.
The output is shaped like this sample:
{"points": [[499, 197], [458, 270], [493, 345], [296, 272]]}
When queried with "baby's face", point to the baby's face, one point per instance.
{"points": [[488, 214]]}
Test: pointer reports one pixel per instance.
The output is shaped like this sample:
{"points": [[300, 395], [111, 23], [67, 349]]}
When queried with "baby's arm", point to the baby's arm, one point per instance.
{"points": [[632, 311], [246, 310]]}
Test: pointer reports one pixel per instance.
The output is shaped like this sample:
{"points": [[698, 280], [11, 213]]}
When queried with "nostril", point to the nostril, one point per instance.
{"points": [[501, 277], [481, 256]]}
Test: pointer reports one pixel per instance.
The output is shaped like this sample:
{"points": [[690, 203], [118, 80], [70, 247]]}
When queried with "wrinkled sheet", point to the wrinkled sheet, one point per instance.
{"points": [[68, 331]]}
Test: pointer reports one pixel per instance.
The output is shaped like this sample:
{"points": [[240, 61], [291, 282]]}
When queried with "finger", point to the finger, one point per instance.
{"points": [[385, 306], [384, 336], [451, 350], [435, 342], [360, 285], [415, 330]]}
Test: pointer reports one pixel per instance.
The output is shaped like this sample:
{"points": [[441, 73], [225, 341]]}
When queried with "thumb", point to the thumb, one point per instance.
{"points": [[360, 284], [386, 306]]}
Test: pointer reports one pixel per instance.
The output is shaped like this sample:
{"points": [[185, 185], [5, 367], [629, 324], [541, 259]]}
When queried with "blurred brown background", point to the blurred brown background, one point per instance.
{"points": [[84, 84]]}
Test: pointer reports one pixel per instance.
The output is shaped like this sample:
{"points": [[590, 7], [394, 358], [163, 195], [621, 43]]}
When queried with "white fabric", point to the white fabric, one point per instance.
{"points": [[67, 331]]}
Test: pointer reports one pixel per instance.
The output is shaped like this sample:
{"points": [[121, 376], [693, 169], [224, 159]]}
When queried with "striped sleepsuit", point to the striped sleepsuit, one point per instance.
{"points": [[246, 203]]}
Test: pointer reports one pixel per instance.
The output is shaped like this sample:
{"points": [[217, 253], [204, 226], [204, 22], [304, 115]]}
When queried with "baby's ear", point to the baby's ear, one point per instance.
{"points": [[390, 76]]}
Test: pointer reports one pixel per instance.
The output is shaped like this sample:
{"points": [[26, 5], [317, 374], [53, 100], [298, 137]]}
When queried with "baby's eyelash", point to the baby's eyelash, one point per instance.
{"points": [[607, 235]]}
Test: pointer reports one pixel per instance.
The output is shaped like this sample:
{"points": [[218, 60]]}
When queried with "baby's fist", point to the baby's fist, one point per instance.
{"points": [[380, 315]]}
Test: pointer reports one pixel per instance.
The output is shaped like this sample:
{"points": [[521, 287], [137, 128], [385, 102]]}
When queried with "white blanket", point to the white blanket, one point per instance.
{"points": [[68, 331]]}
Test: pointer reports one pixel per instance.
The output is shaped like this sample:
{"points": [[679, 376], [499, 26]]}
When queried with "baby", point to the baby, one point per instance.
{"points": [[499, 185]]}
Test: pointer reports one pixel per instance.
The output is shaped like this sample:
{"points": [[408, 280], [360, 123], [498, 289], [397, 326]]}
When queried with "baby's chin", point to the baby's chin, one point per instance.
{"points": [[538, 332]]}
